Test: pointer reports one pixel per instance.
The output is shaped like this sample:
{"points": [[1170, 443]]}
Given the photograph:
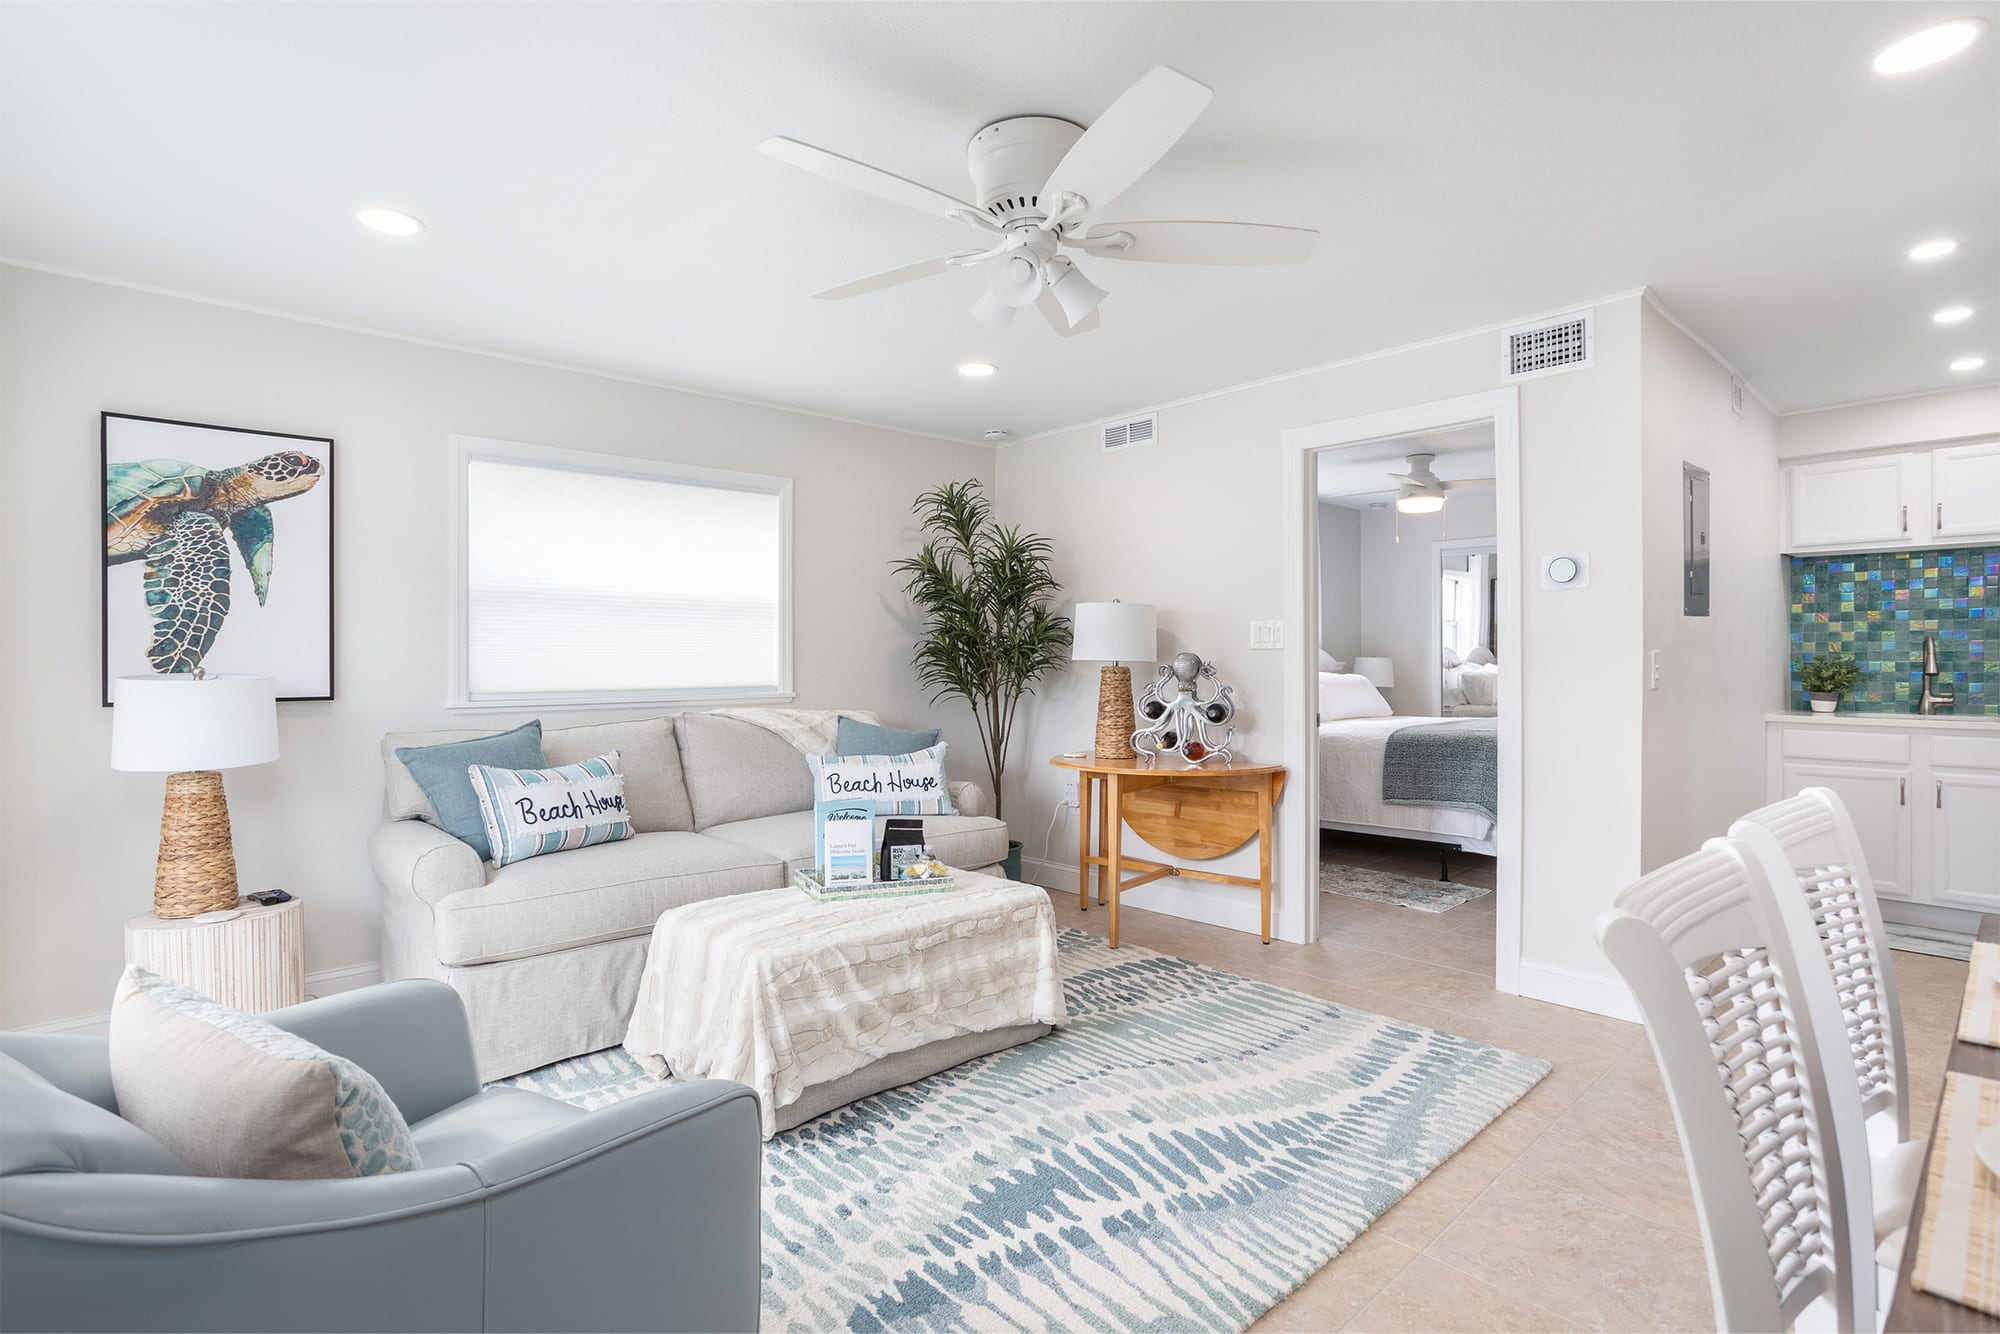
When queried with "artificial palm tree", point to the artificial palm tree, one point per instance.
{"points": [[984, 591]]}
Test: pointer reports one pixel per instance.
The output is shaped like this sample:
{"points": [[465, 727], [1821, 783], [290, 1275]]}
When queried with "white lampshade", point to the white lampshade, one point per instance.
{"points": [[1114, 632], [1379, 671], [174, 723]]}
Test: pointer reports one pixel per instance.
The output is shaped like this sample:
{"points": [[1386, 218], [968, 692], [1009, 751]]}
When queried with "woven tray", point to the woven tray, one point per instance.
{"points": [[808, 882]]}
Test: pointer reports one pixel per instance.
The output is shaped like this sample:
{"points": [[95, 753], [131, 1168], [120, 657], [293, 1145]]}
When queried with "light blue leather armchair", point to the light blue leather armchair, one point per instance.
{"points": [[529, 1214]]}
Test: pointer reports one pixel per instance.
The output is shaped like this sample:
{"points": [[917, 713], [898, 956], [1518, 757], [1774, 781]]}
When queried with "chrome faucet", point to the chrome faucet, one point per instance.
{"points": [[1931, 699]]}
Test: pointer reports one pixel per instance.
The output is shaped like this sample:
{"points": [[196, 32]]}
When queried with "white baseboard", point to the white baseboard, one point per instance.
{"points": [[327, 982], [1191, 900], [1578, 991]]}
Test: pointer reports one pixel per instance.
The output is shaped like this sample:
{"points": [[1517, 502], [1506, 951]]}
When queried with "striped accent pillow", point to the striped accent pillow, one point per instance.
{"points": [[532, 811], [911, 784]]}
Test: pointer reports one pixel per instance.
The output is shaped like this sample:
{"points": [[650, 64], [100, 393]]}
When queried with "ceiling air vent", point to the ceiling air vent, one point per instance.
{"points": [[1549, 348], [1132, 431]]}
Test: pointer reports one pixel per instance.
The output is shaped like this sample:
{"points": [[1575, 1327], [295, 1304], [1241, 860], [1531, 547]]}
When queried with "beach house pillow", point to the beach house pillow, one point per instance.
{"points": [[911, 784], [852, 737], [1345, 695], [230, 1095], [532, 811], [440, 772]]}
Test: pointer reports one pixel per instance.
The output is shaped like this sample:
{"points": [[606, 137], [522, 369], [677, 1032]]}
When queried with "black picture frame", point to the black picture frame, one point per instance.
{"points": [[331, 480]]}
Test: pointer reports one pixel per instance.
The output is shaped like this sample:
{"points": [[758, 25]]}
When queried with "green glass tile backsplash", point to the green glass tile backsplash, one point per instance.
{"points": [[1879, 608]]}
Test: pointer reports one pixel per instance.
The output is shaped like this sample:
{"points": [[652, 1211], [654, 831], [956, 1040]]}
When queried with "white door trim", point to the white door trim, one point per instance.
{"points": [[1298, 914]]}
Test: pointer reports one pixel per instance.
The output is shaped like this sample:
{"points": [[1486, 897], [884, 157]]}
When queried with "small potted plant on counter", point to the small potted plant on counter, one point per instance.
{"points": [[1826, 678]]}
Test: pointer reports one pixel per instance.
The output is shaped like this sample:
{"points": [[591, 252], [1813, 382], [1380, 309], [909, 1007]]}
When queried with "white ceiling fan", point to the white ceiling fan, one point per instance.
{"points": [[1422, 492], [1042, 184]]}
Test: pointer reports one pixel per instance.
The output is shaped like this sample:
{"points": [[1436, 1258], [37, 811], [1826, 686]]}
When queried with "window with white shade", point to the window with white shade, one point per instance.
{"points": [[599, 579]]}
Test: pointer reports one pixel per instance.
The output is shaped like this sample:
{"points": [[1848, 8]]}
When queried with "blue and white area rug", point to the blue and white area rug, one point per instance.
{"points": [[1180, 1156]]}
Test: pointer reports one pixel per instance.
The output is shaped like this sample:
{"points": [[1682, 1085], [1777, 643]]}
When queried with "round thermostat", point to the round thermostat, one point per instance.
{"points": [[1565, 570]]}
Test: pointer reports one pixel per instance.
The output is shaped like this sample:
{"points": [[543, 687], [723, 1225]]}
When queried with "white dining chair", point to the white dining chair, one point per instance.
{"points": [[1714, 958], [1810, 842]]}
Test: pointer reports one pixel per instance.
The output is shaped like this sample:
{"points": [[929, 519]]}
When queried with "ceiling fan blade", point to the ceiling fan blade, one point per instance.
{"points": [[909, 273], [1407, 480], [1201, 242], [1471, 484], [1133, 133], [869, 180], [1052, 311]]}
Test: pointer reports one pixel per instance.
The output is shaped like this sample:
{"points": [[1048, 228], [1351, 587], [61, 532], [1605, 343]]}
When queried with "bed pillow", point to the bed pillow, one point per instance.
{"points": [[231, 1095], [858, 738], [1329, 663], [1345, 695], [911, 784], [529, 812], [1481, 656], [1450, 657], [1480, 684], [440, 771]]}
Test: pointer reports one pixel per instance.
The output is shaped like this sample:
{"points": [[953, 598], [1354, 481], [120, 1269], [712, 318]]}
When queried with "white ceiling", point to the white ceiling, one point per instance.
{"points": [[1356, 476], [589, 176]]}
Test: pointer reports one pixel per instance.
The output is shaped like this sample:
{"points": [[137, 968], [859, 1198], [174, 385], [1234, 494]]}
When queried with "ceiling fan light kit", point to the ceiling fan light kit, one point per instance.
{"points": [[1039, 183]]}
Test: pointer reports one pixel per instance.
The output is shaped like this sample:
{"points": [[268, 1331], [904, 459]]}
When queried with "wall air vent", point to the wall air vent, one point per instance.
{"points": [[1131, 432], [1549, 348]]}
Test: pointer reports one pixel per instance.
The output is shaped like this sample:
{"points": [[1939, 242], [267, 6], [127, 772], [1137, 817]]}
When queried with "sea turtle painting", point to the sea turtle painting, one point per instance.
{"points": [[172, 515]]}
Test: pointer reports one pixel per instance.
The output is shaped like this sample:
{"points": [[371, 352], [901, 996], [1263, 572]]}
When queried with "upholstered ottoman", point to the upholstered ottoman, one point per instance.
{"points": [[815, 1005]]}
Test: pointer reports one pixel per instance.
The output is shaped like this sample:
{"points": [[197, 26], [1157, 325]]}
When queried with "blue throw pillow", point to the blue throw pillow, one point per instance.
{"points": [[441, 771], [852, 738]]}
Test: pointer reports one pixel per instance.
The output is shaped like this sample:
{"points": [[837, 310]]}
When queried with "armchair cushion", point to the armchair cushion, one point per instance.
{"points": [[233, 1096], [488, 1120], [49, 1130]]}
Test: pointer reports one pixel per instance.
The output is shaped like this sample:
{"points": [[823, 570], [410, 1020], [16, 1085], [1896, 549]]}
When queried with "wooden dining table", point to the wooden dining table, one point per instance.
{"points": [[1910, 1309]]}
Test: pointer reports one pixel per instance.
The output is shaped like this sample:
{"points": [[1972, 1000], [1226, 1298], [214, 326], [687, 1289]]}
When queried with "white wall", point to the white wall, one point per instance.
{"points": [[1922, 419], [1339, 582], [77, 840], [1581, 648], [1397, 583], [1720, 673]]}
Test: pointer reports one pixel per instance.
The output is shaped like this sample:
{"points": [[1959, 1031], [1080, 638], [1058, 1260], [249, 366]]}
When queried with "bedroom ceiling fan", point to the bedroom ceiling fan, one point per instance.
{"points": [[1041, 185], [1422, 492]]}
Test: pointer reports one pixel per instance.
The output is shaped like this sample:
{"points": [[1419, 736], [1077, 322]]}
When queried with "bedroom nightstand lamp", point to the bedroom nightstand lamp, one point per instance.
{"points": [[1114, 633], [1380, 672], [188, 727]]}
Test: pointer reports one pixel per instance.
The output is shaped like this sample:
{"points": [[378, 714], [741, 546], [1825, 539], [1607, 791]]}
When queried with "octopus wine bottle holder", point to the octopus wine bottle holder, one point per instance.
{"points": [[1180, 725]]}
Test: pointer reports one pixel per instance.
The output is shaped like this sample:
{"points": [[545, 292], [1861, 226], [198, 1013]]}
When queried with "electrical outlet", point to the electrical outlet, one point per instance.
{"points": [[1267, 634], [1069, 794]]}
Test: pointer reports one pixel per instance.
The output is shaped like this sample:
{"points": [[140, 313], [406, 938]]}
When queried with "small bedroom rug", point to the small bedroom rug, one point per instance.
{"points": [[1934, 940], [1180, 1156], [1405, 891]]}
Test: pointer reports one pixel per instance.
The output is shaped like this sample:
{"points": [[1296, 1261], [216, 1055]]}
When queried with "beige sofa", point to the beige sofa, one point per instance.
{"points": [[547, 952]]}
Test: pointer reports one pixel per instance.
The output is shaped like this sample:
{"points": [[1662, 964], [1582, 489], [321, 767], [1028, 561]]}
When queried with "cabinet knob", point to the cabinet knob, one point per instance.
{"points": [[1906, 518], [1902, 791], [1940, 794]]}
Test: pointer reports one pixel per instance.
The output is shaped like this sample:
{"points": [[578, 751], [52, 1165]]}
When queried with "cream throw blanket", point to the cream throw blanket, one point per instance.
{"points": [[780, 992], [810, 731]]}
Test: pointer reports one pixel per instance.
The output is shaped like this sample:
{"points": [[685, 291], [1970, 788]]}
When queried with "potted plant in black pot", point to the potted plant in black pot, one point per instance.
{"points": [[983, 590], [1826, 678]]}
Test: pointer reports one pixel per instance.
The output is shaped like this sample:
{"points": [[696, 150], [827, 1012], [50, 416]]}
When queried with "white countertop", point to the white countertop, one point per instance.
{"points": [[1972, 722]]}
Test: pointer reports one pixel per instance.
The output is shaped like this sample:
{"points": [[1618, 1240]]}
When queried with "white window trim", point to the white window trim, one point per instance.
{"points": [[465, 449]]}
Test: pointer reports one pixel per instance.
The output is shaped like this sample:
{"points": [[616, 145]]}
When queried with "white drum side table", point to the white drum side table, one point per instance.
{"points": [[255, 962]]}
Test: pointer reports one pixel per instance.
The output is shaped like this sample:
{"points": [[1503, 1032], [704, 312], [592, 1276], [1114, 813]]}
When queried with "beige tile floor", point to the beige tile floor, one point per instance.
{"points": [[1572, 1210]]}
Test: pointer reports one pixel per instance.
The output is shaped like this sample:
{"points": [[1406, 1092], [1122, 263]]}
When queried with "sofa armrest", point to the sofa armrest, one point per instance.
{"points": [[970, 798], [412, 1036], [423, 860]]}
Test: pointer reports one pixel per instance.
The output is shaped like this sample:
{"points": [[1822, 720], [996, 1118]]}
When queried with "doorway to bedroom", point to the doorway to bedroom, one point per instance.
{"points": [[1410, 544]]}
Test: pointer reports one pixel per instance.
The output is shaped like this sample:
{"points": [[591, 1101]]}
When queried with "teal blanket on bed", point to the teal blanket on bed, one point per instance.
{"points": [[1451, 764]]}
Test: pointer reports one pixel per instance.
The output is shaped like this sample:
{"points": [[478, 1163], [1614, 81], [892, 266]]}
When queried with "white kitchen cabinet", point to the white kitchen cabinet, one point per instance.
{"points": [[1965, 838], [1965, 491], [1877, 797], [1858, 504]]}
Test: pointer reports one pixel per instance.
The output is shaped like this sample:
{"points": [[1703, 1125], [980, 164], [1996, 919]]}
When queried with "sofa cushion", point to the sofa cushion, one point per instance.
{"points": [[440, 771], [739, 771], [595, 893], [50, 1130], [648, 757], [969, 842]]}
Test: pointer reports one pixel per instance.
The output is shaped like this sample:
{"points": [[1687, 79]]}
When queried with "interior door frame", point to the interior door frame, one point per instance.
{"points": [[1298, 914], [1438, 550]]}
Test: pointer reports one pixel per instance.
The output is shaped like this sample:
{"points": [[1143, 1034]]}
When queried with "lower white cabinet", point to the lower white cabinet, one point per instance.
{"points": [[1925, 800]]}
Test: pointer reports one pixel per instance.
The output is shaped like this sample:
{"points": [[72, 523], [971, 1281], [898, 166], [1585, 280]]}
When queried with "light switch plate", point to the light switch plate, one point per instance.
{"points": [[1267, 634]]}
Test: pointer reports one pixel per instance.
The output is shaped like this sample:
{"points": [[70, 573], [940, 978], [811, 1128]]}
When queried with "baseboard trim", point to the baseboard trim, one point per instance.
{"points": [[326, 982], [1578, 991]]}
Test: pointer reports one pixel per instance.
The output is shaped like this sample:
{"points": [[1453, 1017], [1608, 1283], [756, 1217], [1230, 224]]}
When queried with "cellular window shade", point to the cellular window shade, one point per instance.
{"points": [[596, 583]]}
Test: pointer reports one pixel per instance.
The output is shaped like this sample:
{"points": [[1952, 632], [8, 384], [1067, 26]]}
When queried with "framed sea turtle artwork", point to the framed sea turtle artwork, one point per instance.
{"points": [[218, 552]]}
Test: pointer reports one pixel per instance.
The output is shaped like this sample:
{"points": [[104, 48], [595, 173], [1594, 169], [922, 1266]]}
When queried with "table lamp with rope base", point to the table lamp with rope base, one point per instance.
{"points": [[1112, 633], [189, 725]]}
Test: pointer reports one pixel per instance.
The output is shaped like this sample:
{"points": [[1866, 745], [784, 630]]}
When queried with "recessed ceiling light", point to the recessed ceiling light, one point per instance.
{"points": [[389, 222], [976, 370], [1929, 46], [1968, 363], [1938, 249], [1952, 315]]}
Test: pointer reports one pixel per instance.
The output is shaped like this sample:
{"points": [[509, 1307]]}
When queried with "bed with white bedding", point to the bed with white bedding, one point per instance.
{"points": [[1350, 789]]}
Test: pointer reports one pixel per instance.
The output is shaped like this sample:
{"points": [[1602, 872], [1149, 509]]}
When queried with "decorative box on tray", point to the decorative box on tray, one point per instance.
{"points": [[808, 881]]}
